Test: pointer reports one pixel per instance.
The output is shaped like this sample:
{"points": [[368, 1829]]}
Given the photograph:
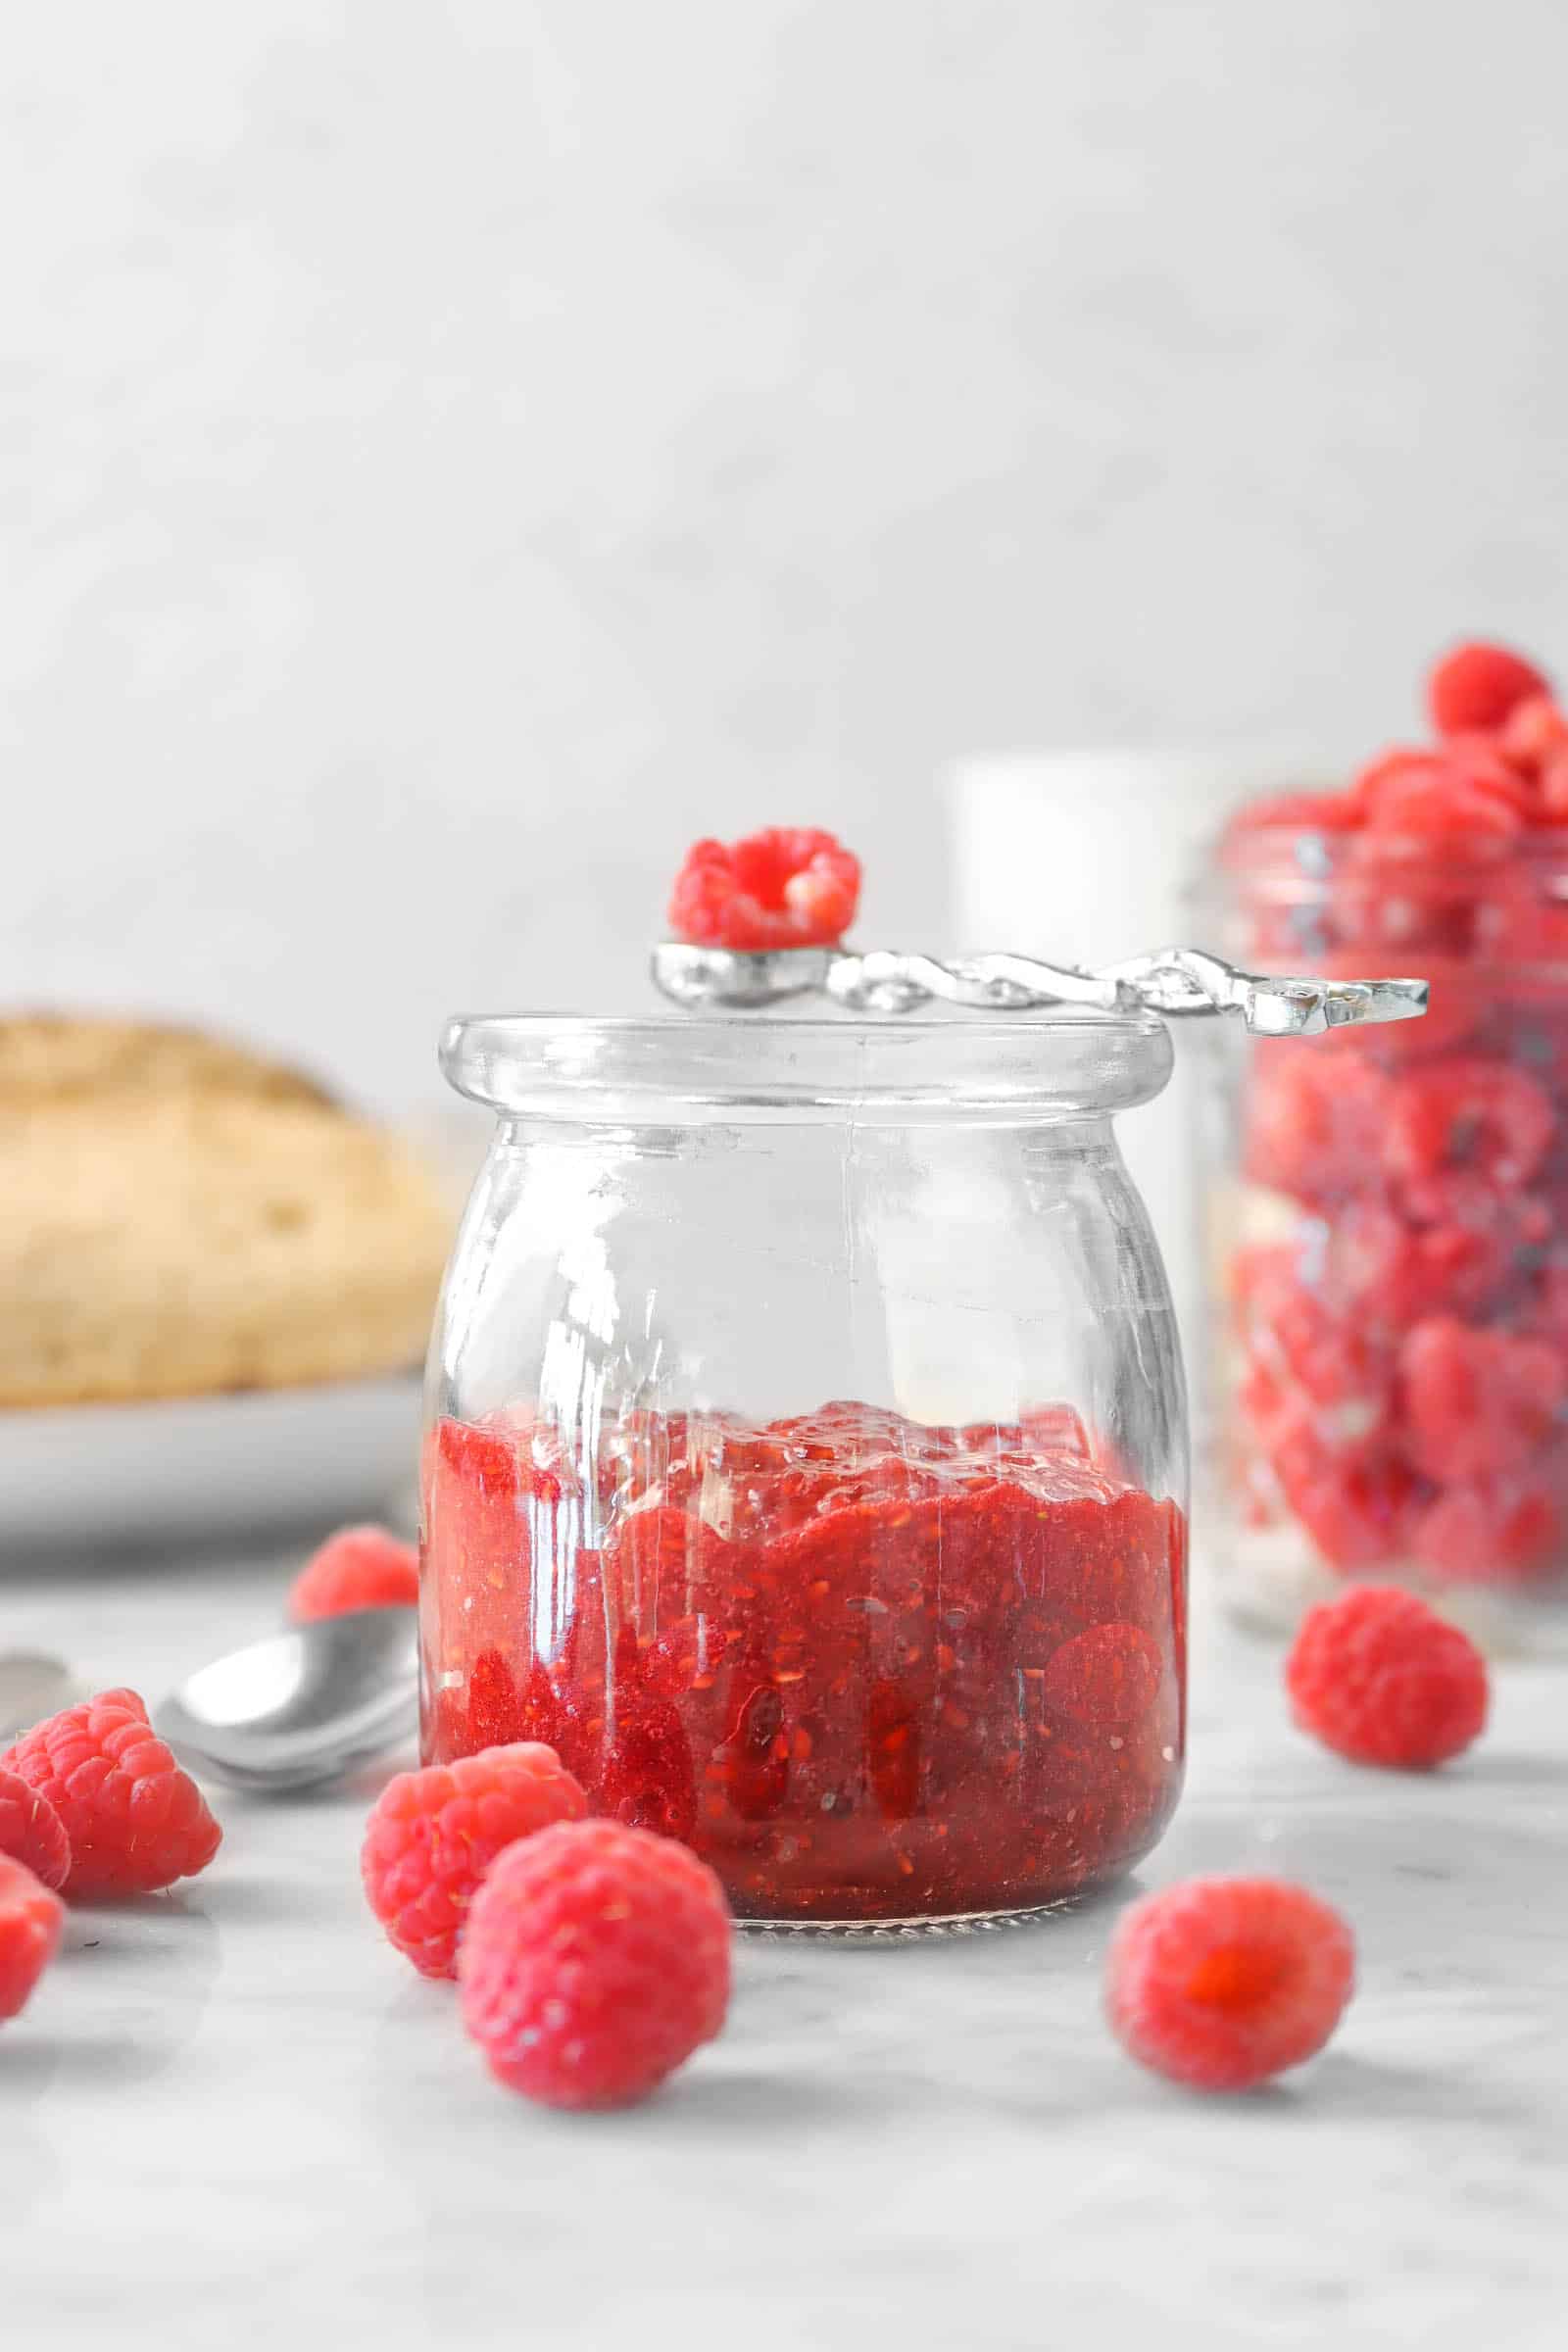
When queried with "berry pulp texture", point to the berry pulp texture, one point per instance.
{"points": [[868, 1669]]}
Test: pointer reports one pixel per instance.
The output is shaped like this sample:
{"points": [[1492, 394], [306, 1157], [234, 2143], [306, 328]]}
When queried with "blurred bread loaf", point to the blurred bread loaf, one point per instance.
{"points": [[178, 1216]]}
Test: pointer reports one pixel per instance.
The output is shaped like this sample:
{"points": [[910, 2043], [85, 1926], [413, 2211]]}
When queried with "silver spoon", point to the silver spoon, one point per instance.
{"points": [[304, 1706]]}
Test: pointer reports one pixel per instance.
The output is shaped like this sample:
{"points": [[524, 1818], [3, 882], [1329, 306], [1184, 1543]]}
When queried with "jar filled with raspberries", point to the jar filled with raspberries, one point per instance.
{"points": [[806, 1460], [1389, 1214]]}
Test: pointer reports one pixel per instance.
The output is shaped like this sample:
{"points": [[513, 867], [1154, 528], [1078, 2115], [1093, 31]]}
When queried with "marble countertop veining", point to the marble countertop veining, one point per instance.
{"points": [[233, 2116]]}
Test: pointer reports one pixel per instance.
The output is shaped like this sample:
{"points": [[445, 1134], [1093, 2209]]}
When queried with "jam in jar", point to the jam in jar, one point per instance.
{"points": [[909, 1660]]}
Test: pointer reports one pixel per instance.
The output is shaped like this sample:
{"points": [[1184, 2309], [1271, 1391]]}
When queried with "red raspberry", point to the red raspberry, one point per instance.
{"points": [[1320, 1366], [1492, 1531], [1482, 1117], [1301, 813], [1392, 1274], [31, 1919], [786, 888], [1394, 766], [1355, 1512], [1554, 796], [1311, 1123], [1478, 686], [1416, 812], [1223, 1983], [1381, 1678], [1476, 1402], [135, 1821], [1483, 760], [1535, 733], [358, 1568], [432, 1836], [597, 1958], [32, 1831]]}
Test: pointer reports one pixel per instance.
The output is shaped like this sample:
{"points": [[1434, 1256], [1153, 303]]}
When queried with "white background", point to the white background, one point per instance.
{"points": [[454, 454]]}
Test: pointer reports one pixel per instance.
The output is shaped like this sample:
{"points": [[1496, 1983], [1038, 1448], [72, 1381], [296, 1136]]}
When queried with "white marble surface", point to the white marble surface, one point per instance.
{"points": [[235, 2116], [453, 454]]}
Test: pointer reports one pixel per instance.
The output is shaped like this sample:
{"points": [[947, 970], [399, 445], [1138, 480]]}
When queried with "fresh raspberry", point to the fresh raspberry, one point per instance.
{"points": [[1484, 762], [1535, 733], [1355, 1512], [1491, 1531], [135, 1821], [358, 1568], [1478, 686], [1321, 1363], [31, 1919], [32, 1831], [1480, 1118], [1311, 1123], [1223, 1983], [1301, 813], [1477, 1401], [1410, 799], [1394, 766], [432, 1836], [597, 1958], [1380, 1677], [788, 887], [1555, 792]]}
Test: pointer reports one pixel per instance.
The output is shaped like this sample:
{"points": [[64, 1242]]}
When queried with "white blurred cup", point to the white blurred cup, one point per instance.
{"points": [[1086, 857]]}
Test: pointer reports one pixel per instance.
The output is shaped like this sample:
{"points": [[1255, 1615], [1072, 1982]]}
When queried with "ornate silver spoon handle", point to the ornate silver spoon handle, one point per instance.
{"points": [[1175, 982]]}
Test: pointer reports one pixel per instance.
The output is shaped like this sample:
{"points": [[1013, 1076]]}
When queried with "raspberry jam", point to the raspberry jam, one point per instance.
{"points": [[870, 1670]]}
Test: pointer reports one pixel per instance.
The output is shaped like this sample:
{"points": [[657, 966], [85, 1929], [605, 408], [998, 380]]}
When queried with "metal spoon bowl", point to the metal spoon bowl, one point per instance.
{"points": [[303, 1707]]}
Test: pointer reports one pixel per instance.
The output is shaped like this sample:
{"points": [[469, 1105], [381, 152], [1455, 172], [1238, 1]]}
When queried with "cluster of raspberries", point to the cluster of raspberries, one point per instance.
{"points": [[93, 1808], [1402, 1331], [593, 1958]]}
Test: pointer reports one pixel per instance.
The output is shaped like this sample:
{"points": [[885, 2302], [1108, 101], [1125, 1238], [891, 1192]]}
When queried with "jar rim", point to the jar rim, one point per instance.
{"points": [[1019, 1070]]}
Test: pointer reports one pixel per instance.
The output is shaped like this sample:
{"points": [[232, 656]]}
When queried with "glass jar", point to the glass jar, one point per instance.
{"points": [[1387, 1393], [906, 1659]]}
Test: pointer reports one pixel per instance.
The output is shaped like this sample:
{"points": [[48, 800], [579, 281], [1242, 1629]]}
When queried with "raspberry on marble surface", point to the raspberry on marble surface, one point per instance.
{"points": [[135, 1820], [1221, 1984], [33, 1833], [433, 1834], [31, 1921], [596, 1959], [1379, 1677]]}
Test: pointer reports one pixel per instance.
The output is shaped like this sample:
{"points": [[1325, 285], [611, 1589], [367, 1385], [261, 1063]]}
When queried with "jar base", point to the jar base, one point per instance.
{"points": [[906, 1930]]}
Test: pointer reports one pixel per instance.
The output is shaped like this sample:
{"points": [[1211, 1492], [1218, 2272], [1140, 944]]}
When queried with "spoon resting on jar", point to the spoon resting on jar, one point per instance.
{"points": [[1178, 983]]}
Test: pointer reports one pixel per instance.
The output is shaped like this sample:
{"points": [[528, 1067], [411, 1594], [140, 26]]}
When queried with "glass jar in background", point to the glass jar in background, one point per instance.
{"points": [[807, 1451], [1387, 1231]]}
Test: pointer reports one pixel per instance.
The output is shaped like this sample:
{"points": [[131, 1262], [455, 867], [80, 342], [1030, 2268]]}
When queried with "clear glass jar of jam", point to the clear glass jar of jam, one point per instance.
{"points": [[807, 1451], [1387, 1389]]}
